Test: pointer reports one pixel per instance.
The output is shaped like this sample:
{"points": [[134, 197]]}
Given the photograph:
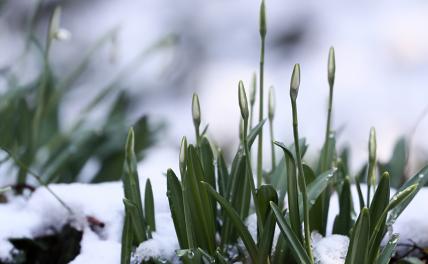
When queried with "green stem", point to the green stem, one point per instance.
{"points": [[250, 176], [251, 120], [260, 141], [302, 182], [271, 144], [198, 136], [325, 165], [371, 171]]}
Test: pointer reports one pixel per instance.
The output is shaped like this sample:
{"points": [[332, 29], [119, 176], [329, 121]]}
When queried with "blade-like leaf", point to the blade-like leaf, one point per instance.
{"points": [[343, 221], [265, 244], [264, 195], [175, 199], [237, 222], [316, 188], [358, 244], [421, 178], [293, 192], [297, 248], [380, 229], [149, 207], [204, 210], [380, 201], [223, 175], [127, 238], [255, 131], [388, 250], [140, 232]]}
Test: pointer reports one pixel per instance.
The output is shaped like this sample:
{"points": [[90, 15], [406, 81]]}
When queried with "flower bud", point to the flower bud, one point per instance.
{"points": [[183, 152], [331, 67], [130, 142], [196, 110], [372, 145], [262, 27], [295, 82], [271, 103], [253, 89], [243, 104], [54, 23]]}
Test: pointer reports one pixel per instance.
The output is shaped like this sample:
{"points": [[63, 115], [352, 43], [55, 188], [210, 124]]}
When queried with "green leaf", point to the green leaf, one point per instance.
{"points": [[127, 239], [360, 193], [203, 205], [343, 221], [388, 250], [237, 222], [239, 197], [293, 192], [317, 187], [264, 195], [296, 246], [207, 162], [175, 199], [223, 175], [380, 201], [139, 230], [321, 207], [132, 188], [380, 229], [279, 179], [149, 207], [255, 131], [358, 245], [421, 178], [265, 243]]}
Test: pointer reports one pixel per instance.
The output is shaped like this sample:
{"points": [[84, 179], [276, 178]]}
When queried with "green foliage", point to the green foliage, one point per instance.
{"points": [[138, 224], [211, 202], [30, 116]]}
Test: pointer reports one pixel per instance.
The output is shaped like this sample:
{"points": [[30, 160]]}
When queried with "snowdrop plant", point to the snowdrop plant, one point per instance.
{"points": [[210, 201], [139, 222], [31, 129]]}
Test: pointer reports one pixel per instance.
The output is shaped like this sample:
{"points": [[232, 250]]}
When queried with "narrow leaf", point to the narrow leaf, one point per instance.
{"points": [[358, 245], [149, 207], [236, 220], [296, 247]]}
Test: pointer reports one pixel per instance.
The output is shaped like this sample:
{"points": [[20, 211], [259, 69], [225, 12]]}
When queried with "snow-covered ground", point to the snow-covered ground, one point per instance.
{"points": [[41, 214]]}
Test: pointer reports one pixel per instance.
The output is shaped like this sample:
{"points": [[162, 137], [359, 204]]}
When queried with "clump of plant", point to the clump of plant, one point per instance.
{"points": [[30, 116], [139, 222], [210, 201]]}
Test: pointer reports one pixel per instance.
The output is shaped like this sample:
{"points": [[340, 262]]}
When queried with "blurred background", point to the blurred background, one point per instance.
{"points": [[207, 47]]}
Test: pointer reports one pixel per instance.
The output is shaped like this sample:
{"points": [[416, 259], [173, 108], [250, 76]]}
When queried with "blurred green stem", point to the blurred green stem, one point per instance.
{"points": [[260, 141]]}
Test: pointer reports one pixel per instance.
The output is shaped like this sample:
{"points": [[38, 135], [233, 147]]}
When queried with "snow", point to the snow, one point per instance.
{"points": [[42, 214], [164, 241], [331, 249], [96, 250]]}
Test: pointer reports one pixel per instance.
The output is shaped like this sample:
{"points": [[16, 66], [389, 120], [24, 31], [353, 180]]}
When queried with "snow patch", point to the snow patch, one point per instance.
{"points": [[331, 249]]}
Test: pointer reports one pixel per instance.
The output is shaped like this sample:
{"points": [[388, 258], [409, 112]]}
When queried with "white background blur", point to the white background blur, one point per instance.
{"points": [[381, 62]]}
